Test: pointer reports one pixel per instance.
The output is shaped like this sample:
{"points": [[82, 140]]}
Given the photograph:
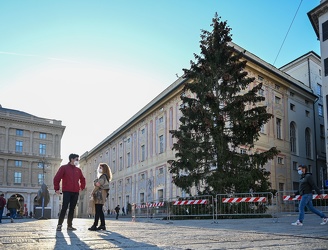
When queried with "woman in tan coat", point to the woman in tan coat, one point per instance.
{"points": [[99, 194]]}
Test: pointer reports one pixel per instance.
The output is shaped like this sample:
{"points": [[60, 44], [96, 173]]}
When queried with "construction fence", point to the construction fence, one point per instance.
{"points": [[288, 203], [226, 206]]}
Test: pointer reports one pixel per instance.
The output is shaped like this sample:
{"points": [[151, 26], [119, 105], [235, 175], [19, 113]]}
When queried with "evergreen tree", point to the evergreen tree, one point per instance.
{"points": [[220, 115]]}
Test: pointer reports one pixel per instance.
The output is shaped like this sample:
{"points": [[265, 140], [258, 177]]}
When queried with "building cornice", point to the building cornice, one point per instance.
{"points": [[5, 114], [272, 69], [314, 15]]}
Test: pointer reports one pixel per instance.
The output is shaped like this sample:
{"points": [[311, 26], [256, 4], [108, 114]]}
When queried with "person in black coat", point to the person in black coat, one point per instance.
{"points": [[117, 210]]}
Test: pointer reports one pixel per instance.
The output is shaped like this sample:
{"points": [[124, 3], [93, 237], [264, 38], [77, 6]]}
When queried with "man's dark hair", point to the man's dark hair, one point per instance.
{"points": [[72, 156], [304, 167]]}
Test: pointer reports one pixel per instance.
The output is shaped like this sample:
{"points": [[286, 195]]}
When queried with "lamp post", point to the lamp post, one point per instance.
{"points": [[43, 190]]}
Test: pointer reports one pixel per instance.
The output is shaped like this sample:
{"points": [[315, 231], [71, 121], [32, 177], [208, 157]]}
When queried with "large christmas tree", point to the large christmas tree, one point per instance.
{"points": [[220, 115]]}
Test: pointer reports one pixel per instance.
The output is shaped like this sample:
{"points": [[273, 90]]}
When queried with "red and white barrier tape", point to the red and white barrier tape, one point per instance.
{"points": [[190, 202], [299, 197], [244, 199], [156, 204]]}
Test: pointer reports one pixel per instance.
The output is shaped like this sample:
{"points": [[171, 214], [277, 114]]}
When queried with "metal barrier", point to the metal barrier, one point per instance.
{"points": [[194, 207], [288, 203], [260, 204], [150, 210]]}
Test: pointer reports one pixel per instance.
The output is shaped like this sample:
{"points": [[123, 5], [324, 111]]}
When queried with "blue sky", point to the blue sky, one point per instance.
{"points": [[105, 59]]}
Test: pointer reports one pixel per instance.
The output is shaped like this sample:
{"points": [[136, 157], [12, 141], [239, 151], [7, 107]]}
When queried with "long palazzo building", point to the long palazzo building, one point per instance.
{"points": [[138, 151]]}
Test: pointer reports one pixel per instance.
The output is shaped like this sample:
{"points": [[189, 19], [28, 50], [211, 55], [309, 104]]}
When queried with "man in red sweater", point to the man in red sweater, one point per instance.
{"points": [[73, 181]]}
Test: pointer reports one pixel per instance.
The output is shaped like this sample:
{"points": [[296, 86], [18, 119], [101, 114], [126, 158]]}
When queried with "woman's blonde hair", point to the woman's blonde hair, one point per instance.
{"points": [[106, 170]]}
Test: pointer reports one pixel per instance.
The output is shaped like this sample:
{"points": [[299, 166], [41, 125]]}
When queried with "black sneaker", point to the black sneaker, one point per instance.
{"points": [[71, 228], [101, 228], [59, 227], [93, 228]]}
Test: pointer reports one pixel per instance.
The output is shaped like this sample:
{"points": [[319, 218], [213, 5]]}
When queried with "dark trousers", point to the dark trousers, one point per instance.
{"points": [[69, 198], [99, 215], [117, 213], [13, 213]]}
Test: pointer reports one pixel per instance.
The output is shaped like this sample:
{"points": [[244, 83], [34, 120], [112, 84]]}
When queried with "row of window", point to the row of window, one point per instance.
{"points": [[142, 196], [293, 140], [142, 176], [307, 113], [18, 178], [19, 163], [280, 160], [20, 132], [324, 38], [128, 154], [278, 134], [296, 164], [293, 107], [19, 147], [160, 196]]}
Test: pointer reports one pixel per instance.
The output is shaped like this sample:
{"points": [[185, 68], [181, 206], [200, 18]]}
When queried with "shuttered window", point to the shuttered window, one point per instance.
{"points": [[325, 62], [324, 31]]}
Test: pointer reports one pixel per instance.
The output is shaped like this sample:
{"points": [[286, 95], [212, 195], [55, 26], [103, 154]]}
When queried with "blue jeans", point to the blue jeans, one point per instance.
{"points": [[13, 213], [306, 201]]}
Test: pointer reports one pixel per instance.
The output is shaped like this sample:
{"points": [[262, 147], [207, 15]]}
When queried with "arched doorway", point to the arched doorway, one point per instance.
{"points": [[20, 197]]}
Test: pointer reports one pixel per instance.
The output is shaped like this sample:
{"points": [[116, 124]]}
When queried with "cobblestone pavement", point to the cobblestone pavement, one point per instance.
{"points": [[159, 234]]}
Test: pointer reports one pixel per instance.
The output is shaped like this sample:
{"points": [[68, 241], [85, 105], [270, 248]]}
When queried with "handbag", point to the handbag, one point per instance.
{"points": [[106, 184], [97, 195]]}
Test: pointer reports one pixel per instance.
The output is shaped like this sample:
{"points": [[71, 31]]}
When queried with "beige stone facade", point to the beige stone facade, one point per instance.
{"points": [[138, 151], [29, 155]]}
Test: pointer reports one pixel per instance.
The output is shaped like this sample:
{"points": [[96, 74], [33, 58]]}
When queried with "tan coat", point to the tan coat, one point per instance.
{"points": [[91, 207], [103, 181]]}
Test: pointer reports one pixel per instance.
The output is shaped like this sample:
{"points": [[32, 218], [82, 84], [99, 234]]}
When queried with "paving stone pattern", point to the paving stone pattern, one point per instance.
{"points": [[147, 234]]}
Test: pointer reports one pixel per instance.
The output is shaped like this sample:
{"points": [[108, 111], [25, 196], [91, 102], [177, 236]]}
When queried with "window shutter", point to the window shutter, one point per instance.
{"points": [[324, 31]]}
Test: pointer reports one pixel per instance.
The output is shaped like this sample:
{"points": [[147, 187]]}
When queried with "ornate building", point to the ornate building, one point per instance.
{"points": [[138, 151], [319, 20], [29, 156]]}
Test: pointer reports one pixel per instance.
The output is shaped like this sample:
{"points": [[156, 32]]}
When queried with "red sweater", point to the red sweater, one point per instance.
{"points": [[72, 178]]}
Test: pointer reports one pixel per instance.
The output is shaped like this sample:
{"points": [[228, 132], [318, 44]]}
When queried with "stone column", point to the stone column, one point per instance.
{"points": [[5, 172], [134, 189], [29, 204], [7, 140], [30, 173], [31, 142]]}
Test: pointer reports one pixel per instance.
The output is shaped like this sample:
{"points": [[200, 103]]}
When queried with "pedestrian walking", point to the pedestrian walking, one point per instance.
{"points": [[2, 205], [72, 181], [128, 208], [133, 212], [100, 194], [306, 185], [13, 205], [117, 210], [123, 211]]}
